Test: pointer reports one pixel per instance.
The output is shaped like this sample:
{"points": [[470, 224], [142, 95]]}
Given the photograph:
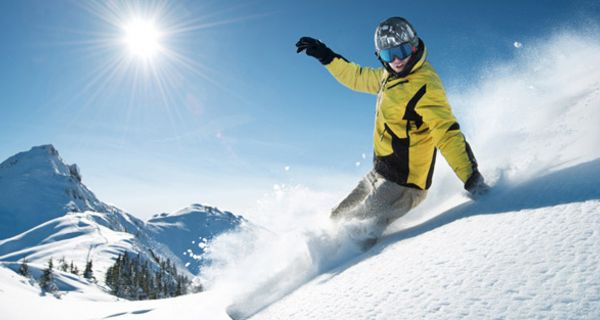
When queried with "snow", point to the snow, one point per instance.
{"points": [[76, 237], [533, 263], [471, 262], [529, 250], [179, 232], [38, 186], [40, 206], [19, 300]]}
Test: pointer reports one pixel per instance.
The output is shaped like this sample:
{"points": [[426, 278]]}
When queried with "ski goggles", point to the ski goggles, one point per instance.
{"points": [[401, 52]]}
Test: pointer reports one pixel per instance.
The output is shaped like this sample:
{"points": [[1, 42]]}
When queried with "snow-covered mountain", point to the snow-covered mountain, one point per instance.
{"points": [[47, 212], [37, 186], [187, 232]]}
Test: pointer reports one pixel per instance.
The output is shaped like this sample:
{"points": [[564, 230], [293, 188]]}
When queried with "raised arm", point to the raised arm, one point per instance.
{"points": [[355, 77]]}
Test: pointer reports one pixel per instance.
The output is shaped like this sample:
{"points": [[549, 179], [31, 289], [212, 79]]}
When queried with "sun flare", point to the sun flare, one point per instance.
{"points": [[142, 38], [146, 52]]}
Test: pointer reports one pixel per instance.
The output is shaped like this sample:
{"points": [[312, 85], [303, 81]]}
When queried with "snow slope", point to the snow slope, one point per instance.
{"points": [[491, 259], [19, 300], [76, 237], [529, 250], [474, 262], [532, 122]]}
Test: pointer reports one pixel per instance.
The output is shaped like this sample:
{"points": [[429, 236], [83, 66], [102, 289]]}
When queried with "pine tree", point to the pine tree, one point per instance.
{"points": [[180, 289], [152, 287], [132, 277], [113, 276], [47, 279], [126, 277], [109, 277], [138, 280], [73, 269], [88, 273], [159, 285], [24, 269], [62, 265]]}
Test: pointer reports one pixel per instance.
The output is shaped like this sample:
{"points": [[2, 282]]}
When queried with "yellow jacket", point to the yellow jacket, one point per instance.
{"points": [[413, 118]]}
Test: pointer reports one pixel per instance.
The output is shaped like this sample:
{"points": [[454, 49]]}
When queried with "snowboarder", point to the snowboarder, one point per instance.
{"points": [[413, 119]]}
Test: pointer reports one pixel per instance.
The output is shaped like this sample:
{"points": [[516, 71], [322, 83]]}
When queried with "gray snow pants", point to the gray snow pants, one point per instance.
{"points": [[376, 197]]}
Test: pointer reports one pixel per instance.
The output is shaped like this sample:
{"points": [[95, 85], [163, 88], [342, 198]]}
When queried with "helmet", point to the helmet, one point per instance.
{"points": [[394, 32]]}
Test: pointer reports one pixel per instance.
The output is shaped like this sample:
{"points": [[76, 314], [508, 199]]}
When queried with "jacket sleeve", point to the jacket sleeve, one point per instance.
{"points": [[355, 77], [445, 130]]}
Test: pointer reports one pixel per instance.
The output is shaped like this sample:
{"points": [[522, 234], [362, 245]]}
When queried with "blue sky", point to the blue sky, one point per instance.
{"points": [[238, 111]]}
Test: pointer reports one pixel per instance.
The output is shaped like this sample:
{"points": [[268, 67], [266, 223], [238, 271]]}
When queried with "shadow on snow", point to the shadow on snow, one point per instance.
{"points": [[574, 184]]}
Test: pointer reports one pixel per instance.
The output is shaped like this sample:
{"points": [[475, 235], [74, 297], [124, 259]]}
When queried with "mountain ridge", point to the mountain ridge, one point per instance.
{"points": [[37, 186], [47, 212]]}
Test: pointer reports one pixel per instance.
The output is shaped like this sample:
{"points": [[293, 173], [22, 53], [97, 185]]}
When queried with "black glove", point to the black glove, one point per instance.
{"points": [[476, 186], [317, 49]]}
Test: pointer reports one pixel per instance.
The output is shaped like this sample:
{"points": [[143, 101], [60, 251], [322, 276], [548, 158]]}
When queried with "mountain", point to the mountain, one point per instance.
{"points": [[47, 212], [76, 237], [187, 232], [37, 186]]}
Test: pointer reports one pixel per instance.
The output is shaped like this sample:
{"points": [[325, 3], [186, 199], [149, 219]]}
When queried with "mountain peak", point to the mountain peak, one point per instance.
{"points": [[45, 150], [197, 207], [187, 231], [36, 186], [41, 160], [49, 148]]}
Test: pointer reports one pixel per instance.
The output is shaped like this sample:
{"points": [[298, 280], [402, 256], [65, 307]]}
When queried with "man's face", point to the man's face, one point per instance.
{"points": [[398, 65]]}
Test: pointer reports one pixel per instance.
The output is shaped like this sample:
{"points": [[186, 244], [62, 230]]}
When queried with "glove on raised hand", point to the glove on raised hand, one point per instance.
{"points": [[316, 49], [476, 186]]}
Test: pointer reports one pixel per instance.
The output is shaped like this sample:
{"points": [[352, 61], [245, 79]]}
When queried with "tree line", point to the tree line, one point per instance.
{"points": [[46, 280], [133, 278], [129, 277]]}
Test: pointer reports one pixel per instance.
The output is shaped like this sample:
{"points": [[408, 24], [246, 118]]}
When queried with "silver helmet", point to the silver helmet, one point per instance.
{"points": [[393, 32]]}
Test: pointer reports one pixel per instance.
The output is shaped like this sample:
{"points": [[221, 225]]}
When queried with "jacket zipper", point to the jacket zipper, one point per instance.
{"points": [[386, 128]]}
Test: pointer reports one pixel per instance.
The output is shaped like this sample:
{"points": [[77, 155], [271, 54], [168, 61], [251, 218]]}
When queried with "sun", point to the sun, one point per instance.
{"points": [[142, 38], [145, 50]]}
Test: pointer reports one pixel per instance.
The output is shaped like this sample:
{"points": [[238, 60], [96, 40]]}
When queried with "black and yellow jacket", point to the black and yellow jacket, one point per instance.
{"points": [[413, 118]]}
